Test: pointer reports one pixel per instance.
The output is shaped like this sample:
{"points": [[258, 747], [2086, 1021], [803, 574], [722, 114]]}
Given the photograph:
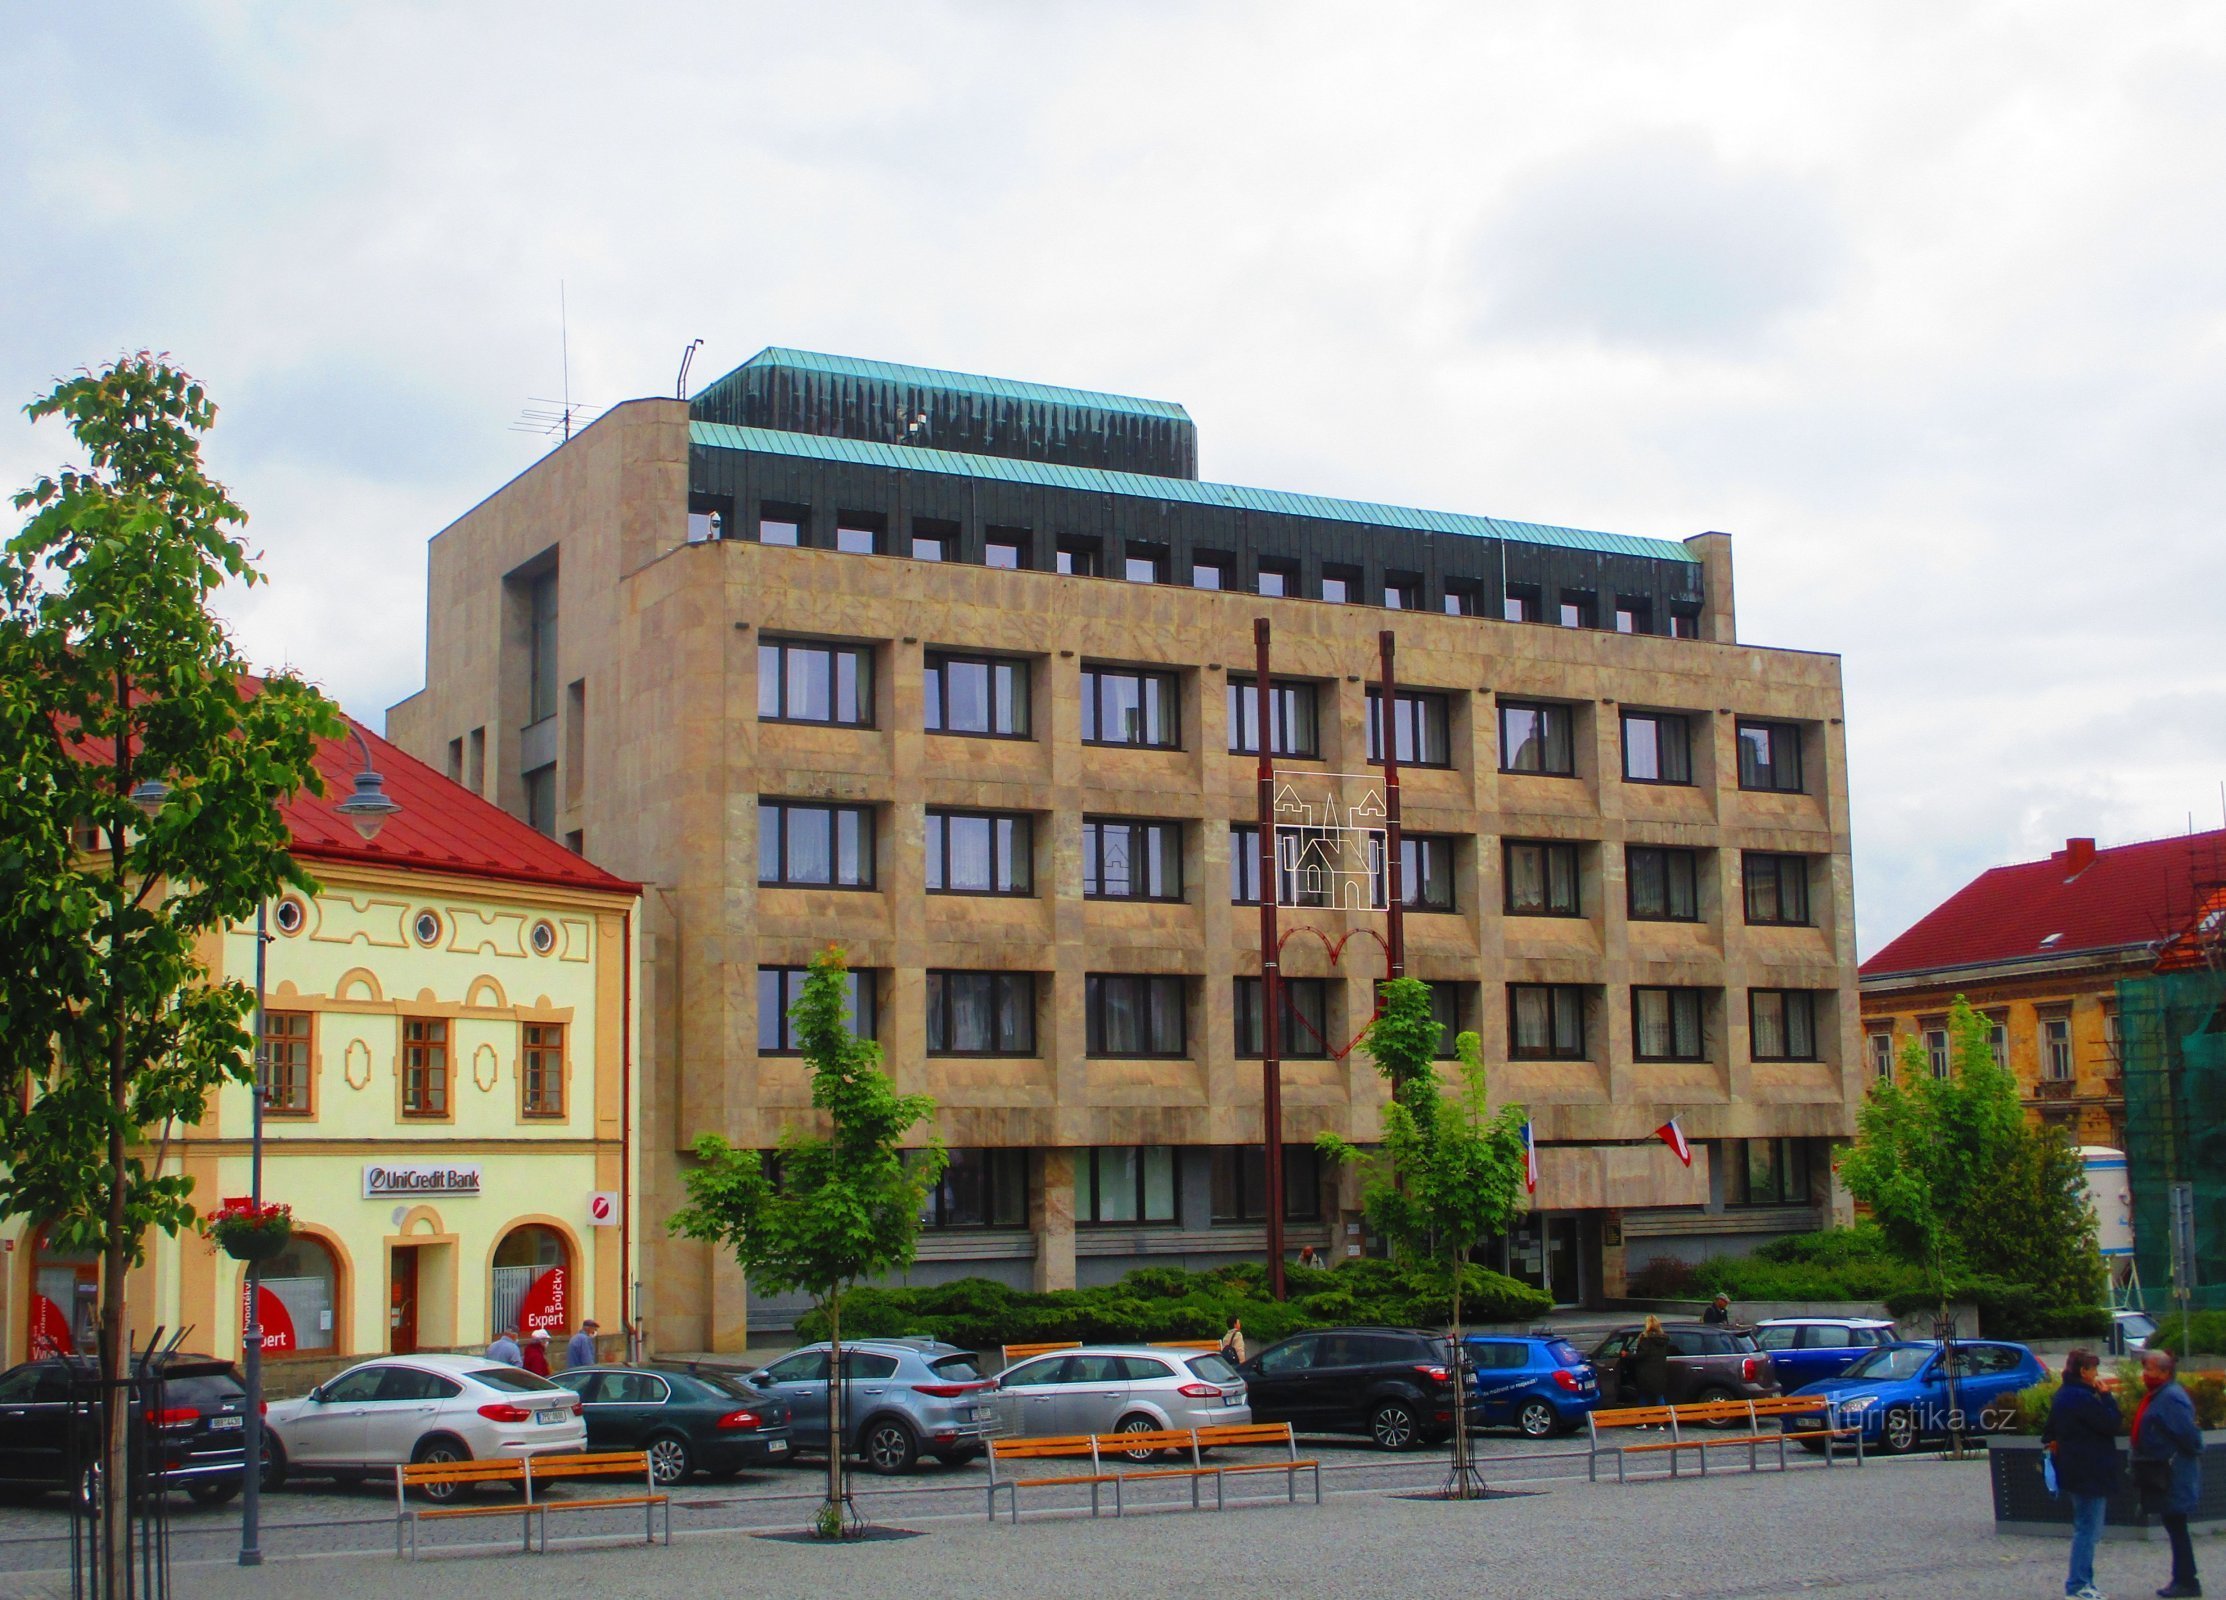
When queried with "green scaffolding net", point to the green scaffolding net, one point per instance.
{"points": [[2172, 1044]]}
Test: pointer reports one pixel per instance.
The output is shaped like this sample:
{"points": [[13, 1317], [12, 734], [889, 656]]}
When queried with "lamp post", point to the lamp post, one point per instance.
{"points": [[367, 809]]}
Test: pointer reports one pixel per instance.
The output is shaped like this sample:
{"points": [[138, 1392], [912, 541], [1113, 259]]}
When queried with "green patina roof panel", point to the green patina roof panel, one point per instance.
{"points": [[1093, 480], [965, 382]]}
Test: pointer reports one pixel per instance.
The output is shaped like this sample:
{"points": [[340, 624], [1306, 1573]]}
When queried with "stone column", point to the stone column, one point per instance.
{"points": [[1051, 1217]]}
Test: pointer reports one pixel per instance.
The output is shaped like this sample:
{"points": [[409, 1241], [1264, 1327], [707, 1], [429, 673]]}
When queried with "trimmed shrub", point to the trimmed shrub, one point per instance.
{"points": [[2202, 1334]]}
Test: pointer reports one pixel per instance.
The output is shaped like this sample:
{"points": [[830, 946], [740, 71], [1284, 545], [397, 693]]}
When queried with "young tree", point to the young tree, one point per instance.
{"points": [[139, 792], [1449, 1175], [837, 1208]]}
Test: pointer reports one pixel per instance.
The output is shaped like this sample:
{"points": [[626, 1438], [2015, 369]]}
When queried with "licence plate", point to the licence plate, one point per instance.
{"points": [[549, 1419], [969, 1413], [222, 1424], [776, 1447]]}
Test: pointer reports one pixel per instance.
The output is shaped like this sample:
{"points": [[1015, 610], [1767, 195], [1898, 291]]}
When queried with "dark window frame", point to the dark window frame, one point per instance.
{"points": [[1672, 857], [1286, 574], [1546, 710], [1169, 686], [1412, 847], [1565, 1002], [1297, 996], [1790, 1002], [1078, 556], [1462, 597], [1286, 697], [1093, 856], [788, 986], [1584, 602], [1659, 721], [935, 702], [1456, 993], [1014, 539], [1675, 997], [1147, 990], [1555, 849], [1154, 558], [778, 808], [862, 670], [935, 846], [1782, 737], [1348, 581], [1001, 985], [1236, 1184], [1402, 591], [1777, 863], [1522, 602], [872, 524], [1412, 714], [1002, 1177], [1090, 1186]]}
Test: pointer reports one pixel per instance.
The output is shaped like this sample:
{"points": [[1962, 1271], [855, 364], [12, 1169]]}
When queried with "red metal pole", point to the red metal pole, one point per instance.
{"points": [[1271, 991], [1394, 887]]}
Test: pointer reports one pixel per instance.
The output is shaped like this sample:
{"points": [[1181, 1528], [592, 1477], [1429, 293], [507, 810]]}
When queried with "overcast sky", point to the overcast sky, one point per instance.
{"points": [[1924, 304]]}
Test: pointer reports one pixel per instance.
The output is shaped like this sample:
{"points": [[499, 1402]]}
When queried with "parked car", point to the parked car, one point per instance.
{"points": [[1120, 1388], [1898, 1394], [1706, 1363], [1804, 1349], [1393, 1384], [689, 1419], [2130, 1332], [1539, 1385], [382, 1414], [902, 1398], [197, 1434]]}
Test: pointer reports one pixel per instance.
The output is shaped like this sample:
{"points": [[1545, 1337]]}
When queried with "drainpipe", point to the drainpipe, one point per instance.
{"points": [[626, 1136]]}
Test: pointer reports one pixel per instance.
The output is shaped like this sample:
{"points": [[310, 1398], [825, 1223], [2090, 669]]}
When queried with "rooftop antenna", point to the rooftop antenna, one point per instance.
{"points": [[680, 384], [564, 349], [549, 417]]}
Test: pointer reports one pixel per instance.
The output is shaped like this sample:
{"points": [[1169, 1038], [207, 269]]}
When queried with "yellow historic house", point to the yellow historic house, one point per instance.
{"points": [[450, 1098]]}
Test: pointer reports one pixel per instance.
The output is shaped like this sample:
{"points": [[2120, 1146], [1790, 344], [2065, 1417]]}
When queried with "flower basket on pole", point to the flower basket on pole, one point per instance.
{"points": [[249, 1232]]}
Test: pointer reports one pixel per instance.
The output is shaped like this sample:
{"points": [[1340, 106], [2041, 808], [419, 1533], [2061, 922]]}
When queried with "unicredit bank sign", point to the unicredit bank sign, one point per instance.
{"points": [[392, 1182]]}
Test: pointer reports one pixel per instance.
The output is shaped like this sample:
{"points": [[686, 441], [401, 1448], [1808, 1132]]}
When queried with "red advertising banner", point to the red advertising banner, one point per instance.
{"points": [[278, 1323], [50, 1329], [544, 1305]]}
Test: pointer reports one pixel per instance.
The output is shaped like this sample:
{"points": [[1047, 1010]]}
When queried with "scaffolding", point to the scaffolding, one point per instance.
{"points": [[2172, 1033]]}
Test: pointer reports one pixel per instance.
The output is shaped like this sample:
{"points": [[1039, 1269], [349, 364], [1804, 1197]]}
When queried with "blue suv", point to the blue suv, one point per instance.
{"points": [[1898, 1393], [1540, 1385]]}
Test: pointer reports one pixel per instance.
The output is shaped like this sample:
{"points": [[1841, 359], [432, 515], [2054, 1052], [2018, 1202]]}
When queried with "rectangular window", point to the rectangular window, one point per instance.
{"points": [[456, 760], [1684, 626], [1523, 603], [1663, 883], [1295, 729], [1781, 1024], [1541, 879], [1766, 1172], [1633, 615], [1302, 1025], [424, 1067], [800, 682], [806, 845], [981, 1013], [1936, 1050], [859, 533], [1420, 723], [286, 1064], [778, 523], [541, 799], [1580, 608], [1770, 756], [541, 647], [1463, 598], [981, 695], [1425, 872], [1278, 577], [1537, 738], [475, 761], [1125, 1183], [1998, 1040], [1401, 592], [1449, 1005], [2056, 1063], [1078, 558], [1545, 1022], [1124, 860], [1665, 1024], [1777, 889], [542, 1082], [1657, 748], [1882, 1056], [930, 547], [1122, 705], [979, 1189], [1339, 585], [1206, 574], [1239, 1174], [1005, 548], [980, 852], [1244, 864], [778, 990], [1144, 564], [1133, 1015]]}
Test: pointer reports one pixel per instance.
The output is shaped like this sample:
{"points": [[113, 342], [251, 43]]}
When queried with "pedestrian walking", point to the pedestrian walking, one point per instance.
{"points": [[1650, 1364], [2168, 1463], [505, 1348], [2082, 1442], [536, 1353], [580, 1352], [1718, 1312], [1232, 1343]]}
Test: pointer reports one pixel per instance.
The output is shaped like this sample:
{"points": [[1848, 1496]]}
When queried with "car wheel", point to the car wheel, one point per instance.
{"points": [[889, 1447], [1538, 1420], [1137, 1424], [436, 1451], [274, 1463], [1392, 1425], [1897, 1435], [1712, 1395], [669, 1458], [212, 1491], [957, 1458]]}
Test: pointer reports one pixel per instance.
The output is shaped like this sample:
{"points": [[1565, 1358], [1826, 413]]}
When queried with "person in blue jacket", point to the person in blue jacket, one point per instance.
{"points": [[2082, 1440], [2168, 1464]]}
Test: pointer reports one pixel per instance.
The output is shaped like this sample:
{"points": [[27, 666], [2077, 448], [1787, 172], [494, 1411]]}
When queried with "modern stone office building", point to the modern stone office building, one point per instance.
{"points": [[947, 669]]}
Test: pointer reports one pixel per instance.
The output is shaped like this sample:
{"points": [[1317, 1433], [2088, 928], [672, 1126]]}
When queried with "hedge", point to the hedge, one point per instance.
{"points": [[2206, 1389], [2203, 1334], [1169, 1303]]}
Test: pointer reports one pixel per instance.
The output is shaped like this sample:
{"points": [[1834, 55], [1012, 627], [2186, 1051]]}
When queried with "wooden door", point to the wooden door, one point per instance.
{"points": [[401, 1317]]}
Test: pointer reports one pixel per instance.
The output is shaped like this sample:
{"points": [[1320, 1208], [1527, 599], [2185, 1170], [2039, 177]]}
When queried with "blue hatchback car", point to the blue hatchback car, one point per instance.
{"points": [[1898, 1394], [1539, 1385]]}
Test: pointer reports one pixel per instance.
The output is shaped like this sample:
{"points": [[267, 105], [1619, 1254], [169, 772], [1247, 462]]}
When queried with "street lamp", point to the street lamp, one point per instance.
{"points": [[368, 808]]}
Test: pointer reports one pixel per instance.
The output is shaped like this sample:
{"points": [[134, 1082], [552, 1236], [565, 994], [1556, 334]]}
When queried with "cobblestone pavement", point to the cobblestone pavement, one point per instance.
{"points": [[1920, 1527]]}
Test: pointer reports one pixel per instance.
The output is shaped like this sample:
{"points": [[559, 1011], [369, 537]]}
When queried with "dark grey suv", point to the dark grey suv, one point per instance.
{"points": [[1706, 1363], [902, 1399]]}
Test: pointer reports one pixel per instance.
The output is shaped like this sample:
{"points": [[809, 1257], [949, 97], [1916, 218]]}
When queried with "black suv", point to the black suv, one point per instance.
{"points": [[1393, 1384], [50, 1420]]}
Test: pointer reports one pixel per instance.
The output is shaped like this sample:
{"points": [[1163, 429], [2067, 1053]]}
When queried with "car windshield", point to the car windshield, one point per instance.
{"points": [[209, 1393], [1899, 1361], [957, 1369], [512, 1380], [2137, 1323], [1212, 1369], [1565, 1353], [1743, 1342], [733, 1388]]}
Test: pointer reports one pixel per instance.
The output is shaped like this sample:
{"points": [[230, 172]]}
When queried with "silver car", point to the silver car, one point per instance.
{"points": [[1120, 1388], [902, 1399]]}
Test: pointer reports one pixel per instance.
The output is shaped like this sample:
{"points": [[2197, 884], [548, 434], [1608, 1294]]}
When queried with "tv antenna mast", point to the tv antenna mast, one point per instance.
{"points": [[545, 416]]}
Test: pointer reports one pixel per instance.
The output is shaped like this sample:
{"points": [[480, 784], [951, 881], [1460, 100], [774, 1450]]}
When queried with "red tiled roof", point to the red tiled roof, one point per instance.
{"points": [[442, 826], [2124, 898]]}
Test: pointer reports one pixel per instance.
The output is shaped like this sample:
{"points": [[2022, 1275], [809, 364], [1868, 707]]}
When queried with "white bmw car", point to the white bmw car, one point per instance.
{"points": [[399, 1409]]}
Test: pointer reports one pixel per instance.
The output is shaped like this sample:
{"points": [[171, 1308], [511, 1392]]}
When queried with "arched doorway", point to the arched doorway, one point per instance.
{"points": [[301, 1298], [65, 1290], [533, 1281]]}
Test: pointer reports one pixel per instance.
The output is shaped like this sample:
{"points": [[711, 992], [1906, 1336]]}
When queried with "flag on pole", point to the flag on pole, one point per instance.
{"points": [[1674, 1136], [1530, 1161]]}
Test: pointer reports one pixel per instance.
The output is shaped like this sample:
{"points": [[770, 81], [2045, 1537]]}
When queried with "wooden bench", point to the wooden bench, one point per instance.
{"points": [[627, 1464], [1715, 1416], [1104, 1451], [1015, 1353], [1194, 1346], [523, 1475]]}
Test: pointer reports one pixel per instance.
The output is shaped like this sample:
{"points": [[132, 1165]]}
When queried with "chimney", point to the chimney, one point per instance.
{"points": [[2079, 854]]}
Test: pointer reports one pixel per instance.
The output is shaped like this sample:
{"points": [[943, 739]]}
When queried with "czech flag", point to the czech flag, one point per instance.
{"points": [[1674, 1136], [1530, 1161]]}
